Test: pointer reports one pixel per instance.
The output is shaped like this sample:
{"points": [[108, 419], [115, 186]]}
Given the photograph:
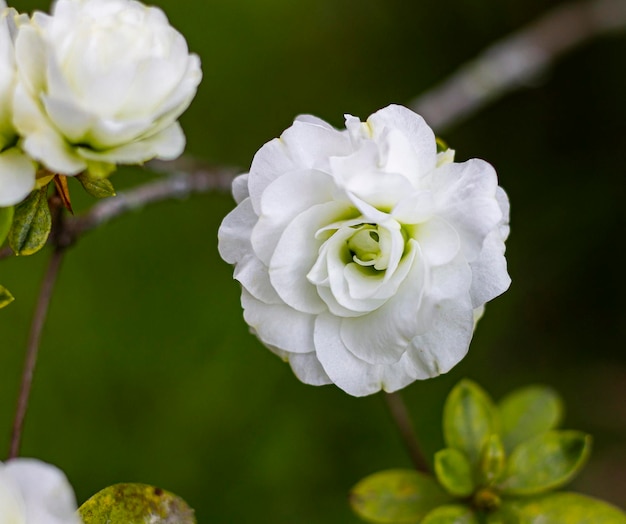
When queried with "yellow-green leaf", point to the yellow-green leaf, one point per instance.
{"points": [[452, 514], [469, 418], [528, 412], [6, 217], [545, 462], [31, 224], [5, 297], [96, 186], [491, 464], [136, 504], [454, 472], [397, 496], [560, 508]]}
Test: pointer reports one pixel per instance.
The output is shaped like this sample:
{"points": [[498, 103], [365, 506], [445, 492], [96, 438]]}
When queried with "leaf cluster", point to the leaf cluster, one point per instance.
{"points": [[500, 464]]}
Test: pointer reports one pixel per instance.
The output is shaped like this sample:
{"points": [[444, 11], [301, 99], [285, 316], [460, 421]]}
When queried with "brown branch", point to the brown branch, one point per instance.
{"points": [[517, 60], [32, 349], [401, 417], [178, 185]]}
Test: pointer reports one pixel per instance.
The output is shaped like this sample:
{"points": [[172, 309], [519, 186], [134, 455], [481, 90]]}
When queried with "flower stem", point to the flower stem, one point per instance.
{"points": [[32, 349], [400, 415]]}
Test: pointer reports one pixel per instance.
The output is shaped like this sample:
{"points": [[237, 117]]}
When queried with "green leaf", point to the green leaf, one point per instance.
{"points": [[6, 217], [5, 297], [528, 412], [96, 186], [454, 472], [452, 514], [469, 418], [560, 508], [135, 504], [396, 496], [492, 457], [31, 224], [545, 462]]}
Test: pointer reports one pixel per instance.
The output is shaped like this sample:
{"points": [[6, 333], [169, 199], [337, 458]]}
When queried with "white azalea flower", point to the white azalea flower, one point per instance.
{"points": [[363, 254], [102, 82], [33, 492], [17, 171]]}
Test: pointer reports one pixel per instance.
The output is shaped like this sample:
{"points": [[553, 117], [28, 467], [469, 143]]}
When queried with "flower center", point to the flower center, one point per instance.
{"points": [[365, 247]]}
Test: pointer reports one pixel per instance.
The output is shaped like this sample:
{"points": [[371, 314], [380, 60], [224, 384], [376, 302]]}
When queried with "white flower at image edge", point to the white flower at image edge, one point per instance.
{"points": [[102, 82], [17, 171], [33, 492], [363, 253]]}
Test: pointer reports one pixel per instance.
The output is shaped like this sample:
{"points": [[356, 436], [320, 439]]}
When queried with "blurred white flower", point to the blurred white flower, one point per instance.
{"points": [[33, 492], [102, 82], [363, 254], [17, 171]]}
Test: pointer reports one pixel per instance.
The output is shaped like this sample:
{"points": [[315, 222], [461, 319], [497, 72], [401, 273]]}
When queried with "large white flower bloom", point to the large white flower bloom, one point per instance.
{"points": [[102, 82], [17, 171], [33, 492], [363, 254]]}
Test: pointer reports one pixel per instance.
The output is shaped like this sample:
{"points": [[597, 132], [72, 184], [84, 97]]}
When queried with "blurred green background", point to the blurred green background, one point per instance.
{"points": [[147, 371]]}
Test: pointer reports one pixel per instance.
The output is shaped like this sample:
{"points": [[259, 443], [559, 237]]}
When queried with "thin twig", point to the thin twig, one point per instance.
{"points": [[32, 350], [517, 60], [177, 185], [402, 419]]}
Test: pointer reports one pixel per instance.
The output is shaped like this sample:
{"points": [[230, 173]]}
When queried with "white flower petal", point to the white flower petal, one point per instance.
{"points": [[353, 375], [308, 369], [240, 188], [234, 233], [446, 342], [382, 336], [438, 240], [295, 255], [279, 325], [17, 177], [489, 274], [277, 209], [417, 133], [11, 500], [465, 196], [48, 496], [253, 276]]}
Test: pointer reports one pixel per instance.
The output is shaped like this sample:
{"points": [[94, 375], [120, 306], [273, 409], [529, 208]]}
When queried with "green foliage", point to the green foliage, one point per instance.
{"points": [[135, 504], [451, 514], [492, 460], [454, 472], [5, 297], [31, 223], [396, 496], [497, 468], [545, 462], [6, 217], [96, 186], [528, 412], [558, 508], [469, 418]]}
